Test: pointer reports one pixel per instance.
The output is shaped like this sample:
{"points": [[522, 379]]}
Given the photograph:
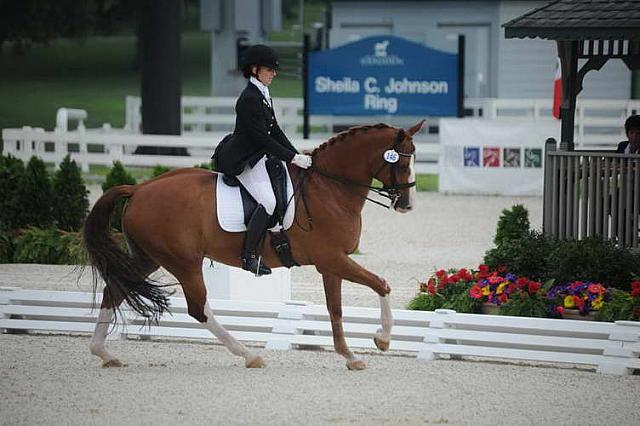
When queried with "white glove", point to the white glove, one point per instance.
{"points": [[302, 160]]}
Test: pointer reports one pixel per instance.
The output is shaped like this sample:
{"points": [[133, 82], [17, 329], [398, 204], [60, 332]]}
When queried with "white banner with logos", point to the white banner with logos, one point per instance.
{"points": [[493, 157]]}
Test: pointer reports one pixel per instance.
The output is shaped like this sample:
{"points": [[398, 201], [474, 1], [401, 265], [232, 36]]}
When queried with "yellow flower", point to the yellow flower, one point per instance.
{"points": [[501, 287], [568, 302], [486, 291], [597, 303]]}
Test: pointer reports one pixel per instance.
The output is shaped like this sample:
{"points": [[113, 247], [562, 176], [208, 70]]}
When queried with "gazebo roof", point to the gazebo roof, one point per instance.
{"points": [[579, 20]]}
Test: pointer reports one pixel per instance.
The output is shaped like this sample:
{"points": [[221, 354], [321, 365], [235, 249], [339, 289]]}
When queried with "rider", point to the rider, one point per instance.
{"points": [[257, 137]]}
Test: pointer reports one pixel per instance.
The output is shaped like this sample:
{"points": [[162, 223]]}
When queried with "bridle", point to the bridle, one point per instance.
{"points": [[392, 191]]}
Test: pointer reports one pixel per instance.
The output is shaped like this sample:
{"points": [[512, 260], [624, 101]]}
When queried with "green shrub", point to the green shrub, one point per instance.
{"points": [[35, 195], [512, 225], [71, 201], [6, 247], [523, 304], [48, 246], [527, 256], [208, 166], [159, 170], [118, 176], [11, 172], [592, 260], [619, 307], [426, 302], [446, 290]]}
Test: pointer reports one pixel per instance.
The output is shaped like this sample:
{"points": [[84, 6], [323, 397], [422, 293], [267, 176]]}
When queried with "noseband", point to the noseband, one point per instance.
{"points": [[391, 157], [391, 192]]}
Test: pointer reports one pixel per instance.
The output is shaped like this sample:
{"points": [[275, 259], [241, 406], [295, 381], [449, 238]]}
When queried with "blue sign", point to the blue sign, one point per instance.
{"points": [[383, 75]]}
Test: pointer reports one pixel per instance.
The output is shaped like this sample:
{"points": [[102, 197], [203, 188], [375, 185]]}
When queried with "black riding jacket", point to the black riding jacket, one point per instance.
{"points": [[257, 133]]}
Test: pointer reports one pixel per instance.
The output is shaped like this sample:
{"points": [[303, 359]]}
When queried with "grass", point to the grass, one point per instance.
{"points": [[97, 73]]}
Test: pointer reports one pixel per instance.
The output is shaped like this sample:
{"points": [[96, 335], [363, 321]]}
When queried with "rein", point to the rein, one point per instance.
{"points": [[391, 192]]}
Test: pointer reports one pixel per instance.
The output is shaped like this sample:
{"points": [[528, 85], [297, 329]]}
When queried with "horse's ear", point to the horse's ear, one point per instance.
{"points": [[415, 129]]}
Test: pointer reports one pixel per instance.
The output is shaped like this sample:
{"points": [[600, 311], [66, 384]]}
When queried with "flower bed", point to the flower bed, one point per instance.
{"points": [[504, 293]]}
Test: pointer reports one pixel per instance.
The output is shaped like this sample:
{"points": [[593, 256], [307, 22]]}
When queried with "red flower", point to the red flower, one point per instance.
{"points": [[475, 292], [502, 298], [560, 310], [440, 273], [522, 282], [635, 288], [483, 271], [578, 301], [596, 288], [430, 287], [501, 269], [534, 286]]}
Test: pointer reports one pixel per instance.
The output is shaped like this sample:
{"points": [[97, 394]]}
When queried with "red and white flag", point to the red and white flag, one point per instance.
{"points": [[557, 90]]}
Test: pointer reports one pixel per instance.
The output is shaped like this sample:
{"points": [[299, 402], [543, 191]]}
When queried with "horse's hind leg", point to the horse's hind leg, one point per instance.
{"points": [[196, 294], [105, 320], [108, 306], [333, 294]]}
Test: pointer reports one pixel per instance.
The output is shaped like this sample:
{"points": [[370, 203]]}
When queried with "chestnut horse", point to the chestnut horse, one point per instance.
{"points": [[171, 221]]}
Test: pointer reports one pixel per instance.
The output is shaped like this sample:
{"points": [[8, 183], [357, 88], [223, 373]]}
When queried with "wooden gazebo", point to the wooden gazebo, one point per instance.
{"points": [[586, 192]]}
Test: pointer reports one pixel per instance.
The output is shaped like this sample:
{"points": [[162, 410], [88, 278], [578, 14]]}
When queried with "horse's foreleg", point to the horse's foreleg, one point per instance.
{"points": [[196, 294], [345, 268], [333, 294], [105, 318], [383, 336]]}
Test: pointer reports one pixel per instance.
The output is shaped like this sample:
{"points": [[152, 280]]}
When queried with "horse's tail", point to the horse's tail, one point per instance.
{"points": [[124, 278]]}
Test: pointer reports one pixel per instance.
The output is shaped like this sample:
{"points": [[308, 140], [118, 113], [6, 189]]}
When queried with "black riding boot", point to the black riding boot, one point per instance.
{"points": [[255, 230]]}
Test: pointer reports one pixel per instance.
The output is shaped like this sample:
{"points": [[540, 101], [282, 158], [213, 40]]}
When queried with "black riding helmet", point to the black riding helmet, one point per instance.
{"points": [[260, 55]]}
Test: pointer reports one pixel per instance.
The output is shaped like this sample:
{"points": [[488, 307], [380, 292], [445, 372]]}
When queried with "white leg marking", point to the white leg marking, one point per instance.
{"points": [[224, 336], [100, 335], [386, 318]]}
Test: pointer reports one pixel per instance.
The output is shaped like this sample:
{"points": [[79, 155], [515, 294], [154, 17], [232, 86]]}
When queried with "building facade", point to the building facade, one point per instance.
{"points": [[495, 67]]}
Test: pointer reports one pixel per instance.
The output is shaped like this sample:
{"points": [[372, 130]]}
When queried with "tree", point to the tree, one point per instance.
{"points": [[70, 196], [26, 22], [35, 196], [118, 176], [11, 171]]}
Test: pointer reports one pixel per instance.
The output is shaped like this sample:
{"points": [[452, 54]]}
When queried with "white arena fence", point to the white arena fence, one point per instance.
{"points": [[597, 122], [206, 120], [104, 146], [611, 348]]}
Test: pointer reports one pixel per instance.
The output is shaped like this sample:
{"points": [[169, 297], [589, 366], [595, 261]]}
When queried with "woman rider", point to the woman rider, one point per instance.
{"points": [[257, 137]]}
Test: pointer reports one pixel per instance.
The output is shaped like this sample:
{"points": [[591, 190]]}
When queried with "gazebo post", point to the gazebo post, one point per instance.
{"points": [[568, 54]]}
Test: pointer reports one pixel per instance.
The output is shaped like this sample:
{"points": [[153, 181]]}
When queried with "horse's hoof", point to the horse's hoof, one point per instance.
{"points": [[255, 362], [115, 363], [383, 345], [356, 364]]}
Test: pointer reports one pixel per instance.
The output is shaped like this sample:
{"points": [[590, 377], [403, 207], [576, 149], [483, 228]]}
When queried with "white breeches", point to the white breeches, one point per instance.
{"points": [[256, 181]]}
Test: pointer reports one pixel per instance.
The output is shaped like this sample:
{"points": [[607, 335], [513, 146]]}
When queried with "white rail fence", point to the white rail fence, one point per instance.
{"points": [[599, 124], [611, 348], [104, 146]]}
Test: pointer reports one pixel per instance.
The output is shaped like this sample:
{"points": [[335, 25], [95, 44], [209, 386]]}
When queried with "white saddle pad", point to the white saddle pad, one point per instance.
{"points": [[231, 213]]}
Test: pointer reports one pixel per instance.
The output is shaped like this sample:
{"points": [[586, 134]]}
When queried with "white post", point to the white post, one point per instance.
{"points": [[617, 360], [285, 327], [84, 153], [431, 339]]}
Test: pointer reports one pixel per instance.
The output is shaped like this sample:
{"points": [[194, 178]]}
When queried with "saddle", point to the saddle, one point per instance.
{"points": [[235, 206]]}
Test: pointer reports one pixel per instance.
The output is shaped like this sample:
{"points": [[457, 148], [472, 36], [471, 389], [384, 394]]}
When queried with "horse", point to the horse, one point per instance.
{"points": [[171, 221]]}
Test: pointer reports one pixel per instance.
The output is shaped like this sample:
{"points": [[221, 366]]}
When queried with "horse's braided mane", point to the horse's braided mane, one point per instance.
{"points": [[348, 133]]}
